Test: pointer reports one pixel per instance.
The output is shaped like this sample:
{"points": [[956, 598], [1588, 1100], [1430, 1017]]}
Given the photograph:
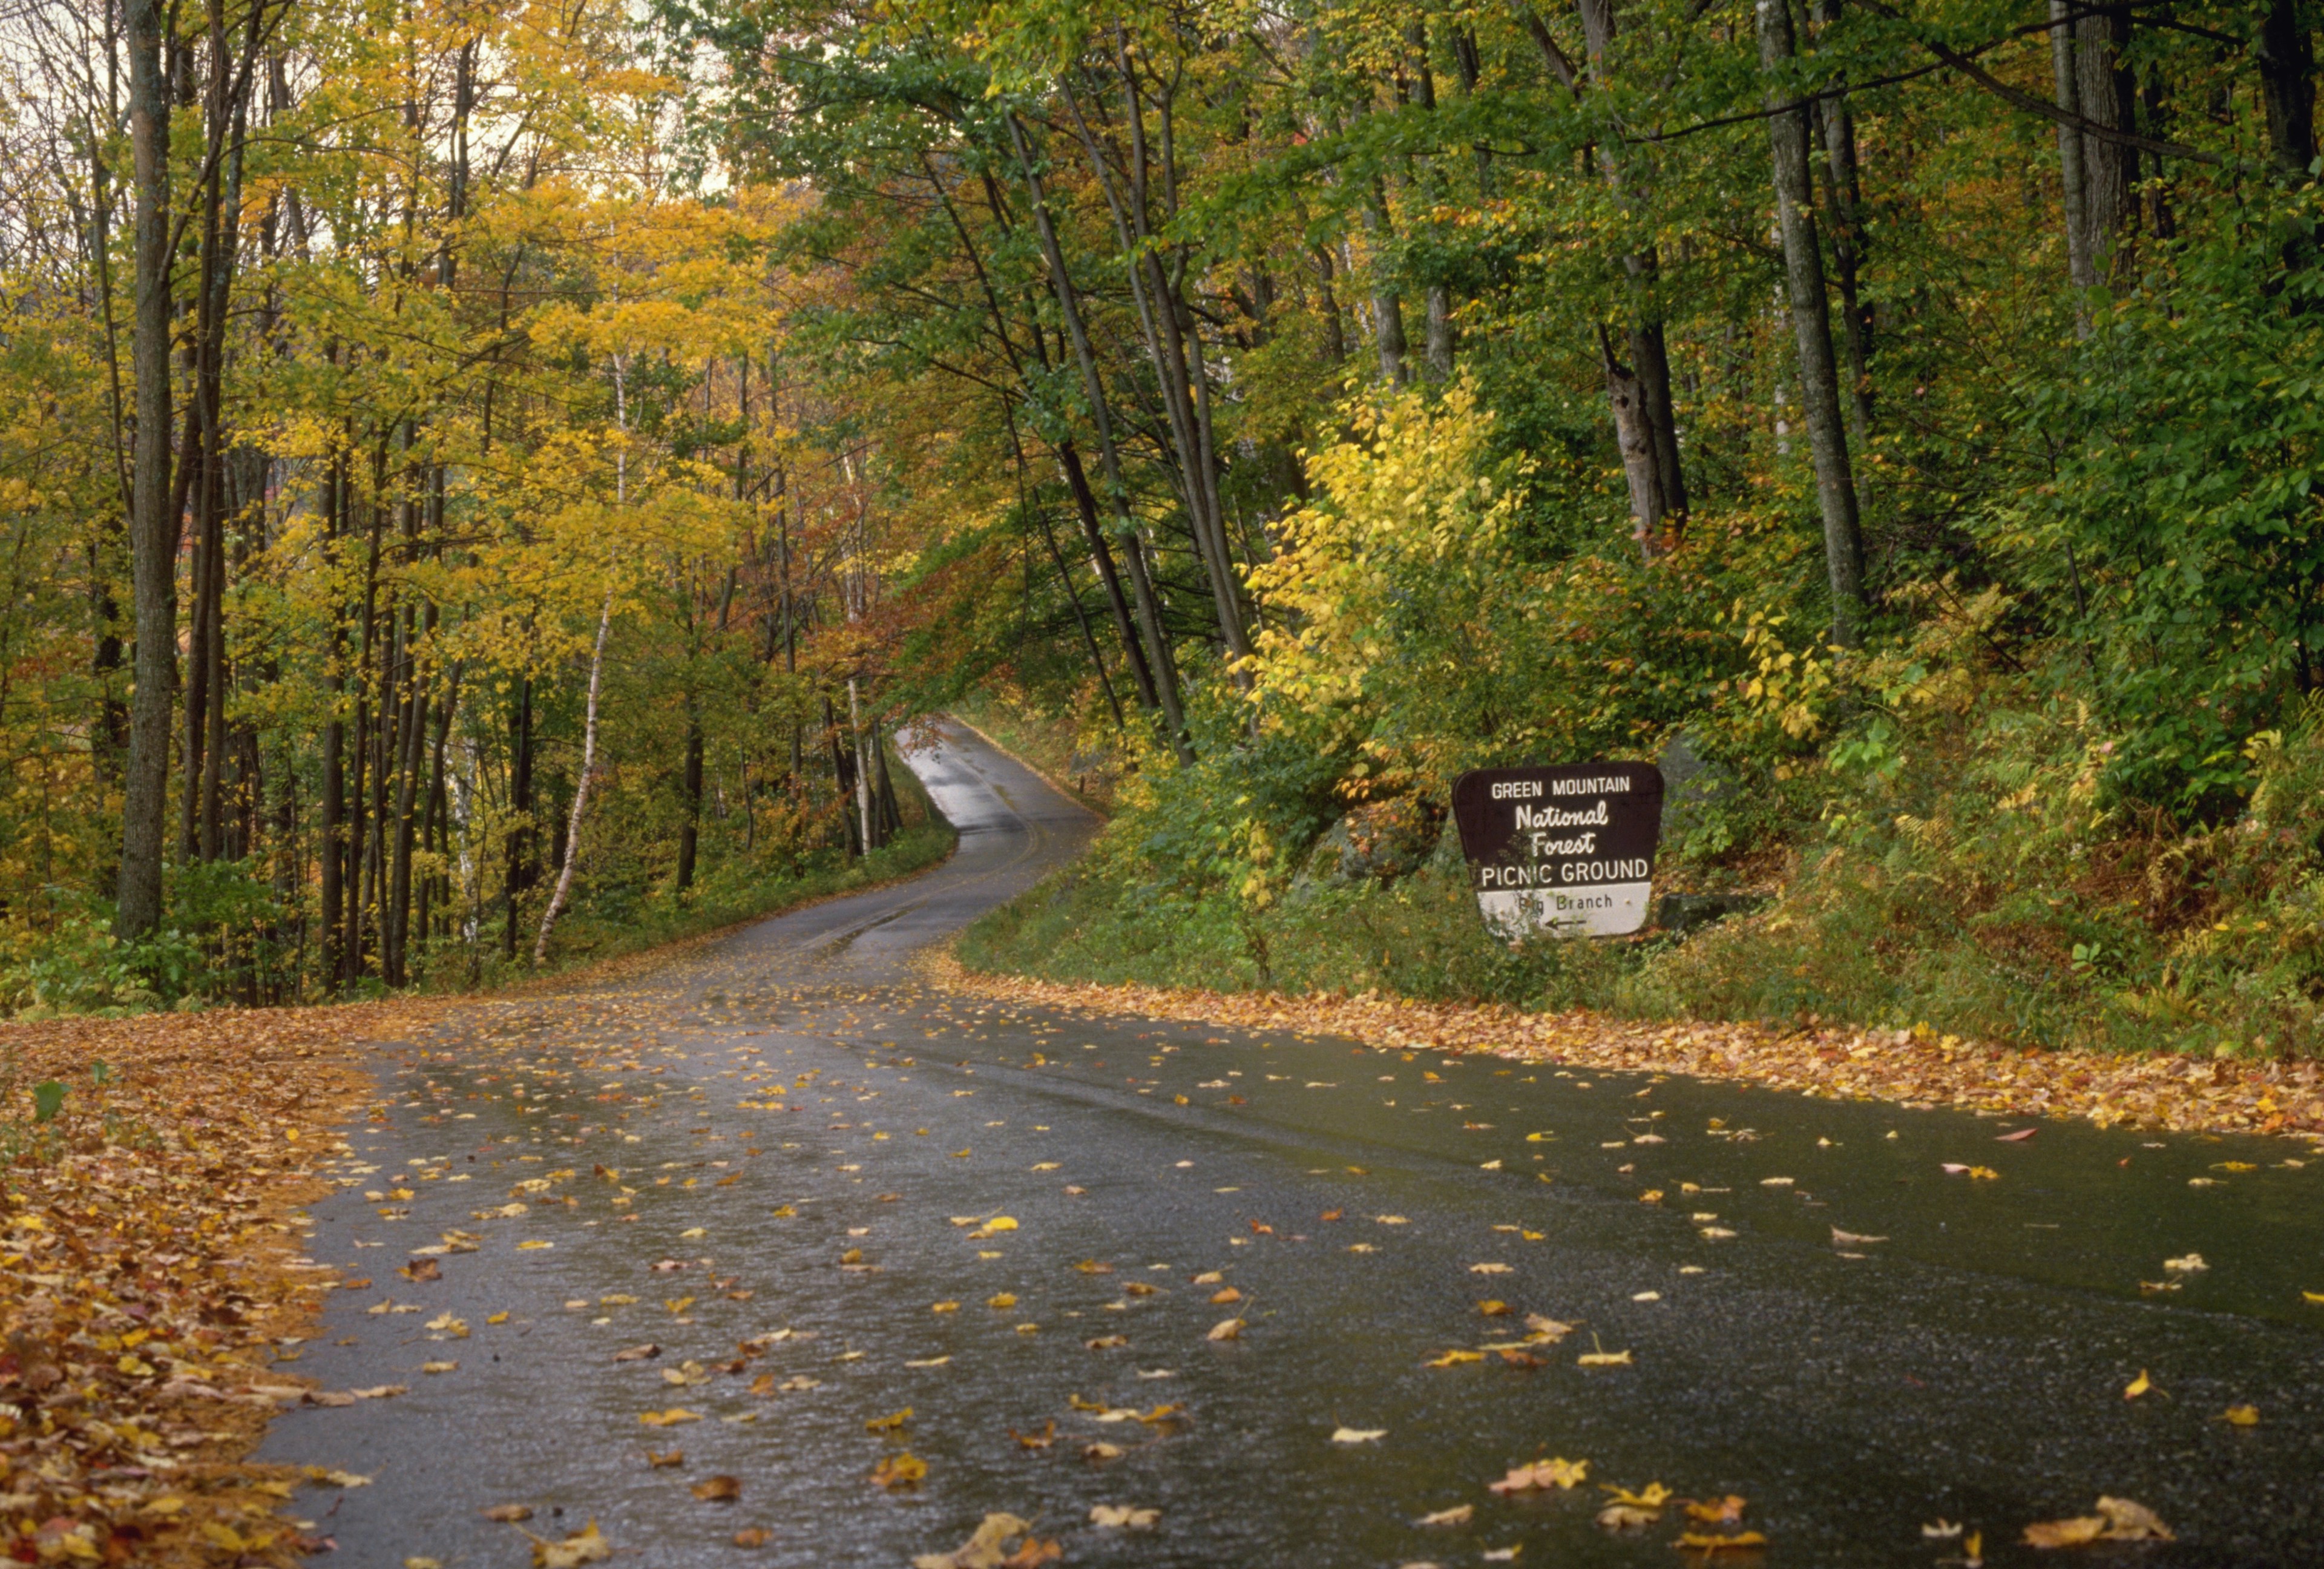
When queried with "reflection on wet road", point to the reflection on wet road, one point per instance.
{"points": [[827, 1195]]}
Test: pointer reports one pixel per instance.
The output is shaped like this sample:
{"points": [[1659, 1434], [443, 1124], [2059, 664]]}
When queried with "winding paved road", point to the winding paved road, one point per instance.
{"points": [[785, 1162]]}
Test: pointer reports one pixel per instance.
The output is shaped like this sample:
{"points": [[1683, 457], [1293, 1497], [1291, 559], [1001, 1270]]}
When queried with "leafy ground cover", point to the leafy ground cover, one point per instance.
{"points": [[1918, 1067]]}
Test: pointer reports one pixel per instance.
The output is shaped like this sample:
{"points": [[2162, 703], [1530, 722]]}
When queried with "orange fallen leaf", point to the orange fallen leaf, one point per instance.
{"points": [[718, 1490]]}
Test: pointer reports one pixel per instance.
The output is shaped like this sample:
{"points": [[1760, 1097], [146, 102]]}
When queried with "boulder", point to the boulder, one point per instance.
{"points": [[1378, 842]]}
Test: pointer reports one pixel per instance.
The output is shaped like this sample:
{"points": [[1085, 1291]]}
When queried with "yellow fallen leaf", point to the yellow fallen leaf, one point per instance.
{"points": [[583, 1546], [1652, 1496], [670, 1418], [1226, 1329], [1001, 1223], [1123, 1517], [1453, 1359], [1705, 1542], [899, 1469], [1359, 1435], [2241, 1416], [531, 1247], [2137, 1386], [891, 1423]]}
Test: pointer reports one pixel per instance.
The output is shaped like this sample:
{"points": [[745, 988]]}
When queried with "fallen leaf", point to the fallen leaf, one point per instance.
{"points": [[509, 1514], [440, 1367], [1457, 1516], [2118, 1520], [1726, 1511], [1101, 1451], [899, 1469], [988, 1548], [1488, 1268], [718, 1490], [1107, 1342], [1226, 1329], [1357, 1435], [658, 1462], [1041, 1440], [891, 1423], [2137, 1386], [1541, 1475], [1224, 1296], [422, 1270], [2019, 1137], [670, 1418], [1700, 1542], [1123, 1517], [1840, 1239], [638, 1354], [2189, 1265], [753, 1536], [583, 1546]]}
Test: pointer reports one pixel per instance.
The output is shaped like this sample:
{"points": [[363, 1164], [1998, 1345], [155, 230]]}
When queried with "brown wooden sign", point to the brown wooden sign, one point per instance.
{"points": [[1567, 850]]}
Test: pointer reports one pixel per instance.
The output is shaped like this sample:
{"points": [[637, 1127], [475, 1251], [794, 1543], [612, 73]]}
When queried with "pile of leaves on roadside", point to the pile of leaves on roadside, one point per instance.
{"points": [[150, 1272], [1918, 1067]]}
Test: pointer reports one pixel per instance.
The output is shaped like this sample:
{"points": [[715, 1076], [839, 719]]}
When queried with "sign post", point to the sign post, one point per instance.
{"points": [[1569, 851]]}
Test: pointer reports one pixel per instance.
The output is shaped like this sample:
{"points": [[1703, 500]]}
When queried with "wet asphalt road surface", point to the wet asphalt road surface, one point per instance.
{"points": [[785, 1162]]}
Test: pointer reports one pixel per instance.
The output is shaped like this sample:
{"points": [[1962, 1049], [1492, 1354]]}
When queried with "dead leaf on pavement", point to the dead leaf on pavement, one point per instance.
{"points": [[989, 1548], [1226, 1329], [1626, 1518], [753, 1536], [1458, 1516], [2117, 1520], [1703, 1542], [638, 1354], [673, 1457], [718, 1490], [584, 1546], [1359, 1435], [422, 1270], [1123, 1517], [509, 1514], [902, 1468], [1541, 1475]]}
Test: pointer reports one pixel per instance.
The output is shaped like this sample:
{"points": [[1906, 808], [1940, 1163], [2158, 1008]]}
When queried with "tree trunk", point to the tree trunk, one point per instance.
{"points": [[1787, 135], [153, 531], [2287, 74], [2073, 177], [580, 789], [1843, 190], [519, 875], [2107, 97], [690, 829]]}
